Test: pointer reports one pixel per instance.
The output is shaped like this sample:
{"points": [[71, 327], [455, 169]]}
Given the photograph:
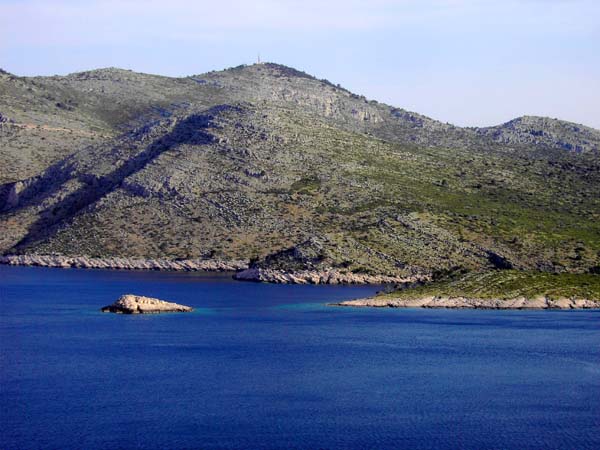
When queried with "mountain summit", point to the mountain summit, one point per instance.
{"points": [[269, 164]]}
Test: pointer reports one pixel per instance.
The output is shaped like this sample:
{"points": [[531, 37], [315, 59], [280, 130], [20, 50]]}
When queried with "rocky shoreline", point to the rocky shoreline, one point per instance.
{"points": [[194, 265], [473, 303], [319, 277], [83, 262]]}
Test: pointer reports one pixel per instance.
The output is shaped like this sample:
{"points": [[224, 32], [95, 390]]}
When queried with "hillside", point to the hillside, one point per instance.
{"points": [[269, 164]]}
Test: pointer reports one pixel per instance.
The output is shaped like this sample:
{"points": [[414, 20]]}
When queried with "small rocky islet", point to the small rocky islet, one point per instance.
{"points": [[136, 304]]}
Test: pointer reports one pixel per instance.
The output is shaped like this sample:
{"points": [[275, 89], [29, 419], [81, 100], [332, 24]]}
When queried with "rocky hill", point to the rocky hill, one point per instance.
{"points": [[545, 132], [268, 164]]}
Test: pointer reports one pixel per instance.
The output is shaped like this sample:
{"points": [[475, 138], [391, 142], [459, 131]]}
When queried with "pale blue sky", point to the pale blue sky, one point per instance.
{"points": [[468, 62]]}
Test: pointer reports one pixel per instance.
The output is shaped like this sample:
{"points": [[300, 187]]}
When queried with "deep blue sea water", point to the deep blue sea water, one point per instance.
{"points": [[270, 366]]}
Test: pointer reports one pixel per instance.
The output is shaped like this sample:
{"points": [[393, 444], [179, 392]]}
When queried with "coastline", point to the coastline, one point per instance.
{"points": [[332, 276], [83, 262], [243, 272], [540, 302]]}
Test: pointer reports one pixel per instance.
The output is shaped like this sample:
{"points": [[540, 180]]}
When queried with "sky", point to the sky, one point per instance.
{"points": [[467, 62]]}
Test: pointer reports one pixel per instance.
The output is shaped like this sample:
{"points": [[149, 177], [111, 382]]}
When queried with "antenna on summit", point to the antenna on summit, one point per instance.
{"points": [[258, 61]]}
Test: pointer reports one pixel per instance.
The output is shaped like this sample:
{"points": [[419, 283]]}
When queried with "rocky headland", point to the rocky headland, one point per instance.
{"points": [[135, 304], [499, 289], [474, 303], [83, 262], [332, 276]]}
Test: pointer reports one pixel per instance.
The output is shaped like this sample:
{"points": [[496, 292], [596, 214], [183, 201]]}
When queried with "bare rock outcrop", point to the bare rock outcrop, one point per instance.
{"points": [[134, 304], [319, 277], [83, 262], [540, 302]]}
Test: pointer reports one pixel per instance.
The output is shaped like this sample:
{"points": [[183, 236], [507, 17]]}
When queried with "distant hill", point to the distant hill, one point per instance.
{"points": [[265, 162]]}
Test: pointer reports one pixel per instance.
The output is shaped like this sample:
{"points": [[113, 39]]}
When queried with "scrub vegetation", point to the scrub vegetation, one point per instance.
{"points": [[269, 164], [508, 284]]}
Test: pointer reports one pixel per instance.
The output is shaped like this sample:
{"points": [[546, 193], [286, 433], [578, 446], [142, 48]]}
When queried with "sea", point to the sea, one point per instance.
{"points": [[262, 366]]}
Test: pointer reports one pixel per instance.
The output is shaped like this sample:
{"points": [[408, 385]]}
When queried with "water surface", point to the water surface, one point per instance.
{"points": [[270, 366]]}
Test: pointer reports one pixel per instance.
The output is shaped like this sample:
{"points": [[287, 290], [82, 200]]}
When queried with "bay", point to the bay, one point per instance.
{"points": [[272, 366]]}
